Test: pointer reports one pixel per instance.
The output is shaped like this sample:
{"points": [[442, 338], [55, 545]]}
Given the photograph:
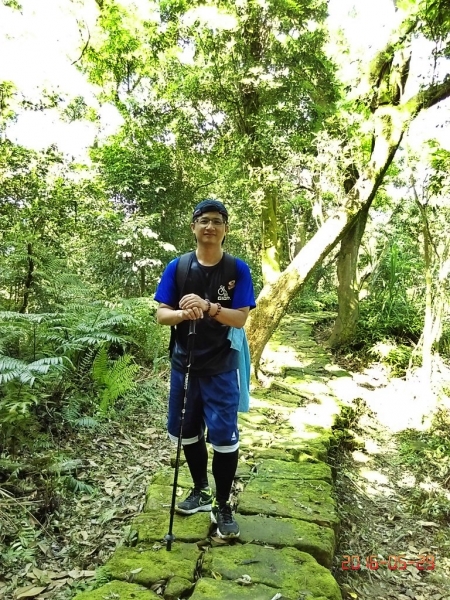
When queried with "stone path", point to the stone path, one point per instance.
{"points": [[285, 506]]}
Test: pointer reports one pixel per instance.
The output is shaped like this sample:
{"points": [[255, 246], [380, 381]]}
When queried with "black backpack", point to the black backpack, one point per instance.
{"points": [[183, 267]]}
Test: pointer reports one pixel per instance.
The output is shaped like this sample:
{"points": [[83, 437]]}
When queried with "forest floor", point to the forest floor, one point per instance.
{"points": [[393, 488], [392, 495], [60, 539]]}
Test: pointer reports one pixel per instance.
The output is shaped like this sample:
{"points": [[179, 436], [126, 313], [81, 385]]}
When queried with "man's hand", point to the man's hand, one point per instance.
{"points": [[194, 306]]}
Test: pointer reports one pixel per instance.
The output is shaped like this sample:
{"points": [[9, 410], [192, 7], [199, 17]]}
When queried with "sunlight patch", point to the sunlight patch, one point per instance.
{"points": [[374, 476]]}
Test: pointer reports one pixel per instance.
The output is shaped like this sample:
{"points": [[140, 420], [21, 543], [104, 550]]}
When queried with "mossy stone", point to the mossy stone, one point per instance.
{"points": [[243, 471], [154, 565], [119, 590], [305, 500], [176, 588], [299, 448], [251, 438], [275, 454], [278, 469], [282, 532], [291, 571], [211, 589], [153, 525]]}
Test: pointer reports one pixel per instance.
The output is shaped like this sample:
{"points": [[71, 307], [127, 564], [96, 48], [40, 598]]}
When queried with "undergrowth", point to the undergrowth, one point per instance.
{"points": [[427, 454]]}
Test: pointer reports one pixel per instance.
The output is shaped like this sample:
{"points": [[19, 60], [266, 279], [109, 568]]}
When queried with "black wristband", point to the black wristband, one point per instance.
{"points": [[206, 312]]}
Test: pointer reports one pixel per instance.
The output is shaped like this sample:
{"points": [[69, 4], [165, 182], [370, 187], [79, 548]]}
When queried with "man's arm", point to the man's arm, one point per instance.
{"points": [[233, 317], [167, 315]]}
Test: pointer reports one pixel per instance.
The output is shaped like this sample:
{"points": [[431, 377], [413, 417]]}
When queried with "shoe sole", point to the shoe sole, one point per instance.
{"points": [[224, 536], [192, 511]]}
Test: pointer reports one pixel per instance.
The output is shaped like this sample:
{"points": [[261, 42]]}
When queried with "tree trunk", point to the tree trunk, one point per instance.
{"points": [[348, 289], [28, 279], [270, 259], [142, 282]]}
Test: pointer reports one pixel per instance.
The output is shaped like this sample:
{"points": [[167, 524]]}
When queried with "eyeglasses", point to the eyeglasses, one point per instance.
{"points": [[205, 221]]}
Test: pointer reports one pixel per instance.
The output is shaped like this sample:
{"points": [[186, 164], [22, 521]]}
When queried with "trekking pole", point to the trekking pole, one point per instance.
{"points": [[190, 346]]}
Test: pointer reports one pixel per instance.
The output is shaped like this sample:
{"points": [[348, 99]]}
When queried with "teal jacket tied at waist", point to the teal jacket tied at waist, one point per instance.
{"points": [[238, 341]]}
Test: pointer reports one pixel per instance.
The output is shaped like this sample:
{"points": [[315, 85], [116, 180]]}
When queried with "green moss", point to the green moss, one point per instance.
{"points": [[275, 454], [292, 572], [210, 589], [119, 590], [281, 532], [176, 588], [145, 567], [305, 500], [152, 526], [277, 469]]}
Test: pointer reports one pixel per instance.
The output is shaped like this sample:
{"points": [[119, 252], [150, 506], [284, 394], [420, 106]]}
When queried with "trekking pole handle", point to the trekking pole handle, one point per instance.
{"points": [[192, 325]]}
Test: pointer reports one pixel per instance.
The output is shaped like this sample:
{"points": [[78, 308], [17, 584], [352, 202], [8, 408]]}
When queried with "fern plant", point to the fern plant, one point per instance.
{"points": [[113, 378]]}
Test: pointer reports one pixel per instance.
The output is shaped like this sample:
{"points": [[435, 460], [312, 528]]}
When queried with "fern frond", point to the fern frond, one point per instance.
{"points": [[77, 486], [87, 423], [117, 380], [95, 338], [100, 366]]}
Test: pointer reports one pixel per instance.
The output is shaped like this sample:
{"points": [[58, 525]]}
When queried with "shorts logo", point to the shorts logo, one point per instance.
{"points": [[233, 437], [222, 293]]}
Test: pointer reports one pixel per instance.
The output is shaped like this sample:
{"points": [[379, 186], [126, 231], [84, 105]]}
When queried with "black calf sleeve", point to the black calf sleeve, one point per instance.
{"points": [[224, 467], [197, 460]]}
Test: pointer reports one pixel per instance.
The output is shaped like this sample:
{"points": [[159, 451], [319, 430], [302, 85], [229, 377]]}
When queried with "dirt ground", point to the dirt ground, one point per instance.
{"points": [[391, 546]]}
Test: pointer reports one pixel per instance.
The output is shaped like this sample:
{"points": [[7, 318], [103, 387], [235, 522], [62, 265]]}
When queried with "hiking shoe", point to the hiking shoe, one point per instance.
{"points": [[223, 516], [197, 500]]}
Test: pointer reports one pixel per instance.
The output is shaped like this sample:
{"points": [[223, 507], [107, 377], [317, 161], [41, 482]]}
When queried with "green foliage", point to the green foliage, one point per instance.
{"points": [[112, 378], [25, 373], [427, 453], [69, 364], [149, 395], [395, 355], [12, 4]]}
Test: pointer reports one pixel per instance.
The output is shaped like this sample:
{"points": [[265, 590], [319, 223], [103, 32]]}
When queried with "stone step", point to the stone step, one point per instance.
{"points": [[318, 541], [287, 570], [307, 500], [278, 469], [210, 589], [174, 571], [115, 590]]}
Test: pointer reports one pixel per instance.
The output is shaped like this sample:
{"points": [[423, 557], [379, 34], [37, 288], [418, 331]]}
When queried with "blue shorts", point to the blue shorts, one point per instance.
{"points": [[212, 402]]}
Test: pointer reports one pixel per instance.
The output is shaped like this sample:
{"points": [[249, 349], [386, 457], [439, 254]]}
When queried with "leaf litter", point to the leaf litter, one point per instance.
{"points": [[82, 531], [376, 517]]}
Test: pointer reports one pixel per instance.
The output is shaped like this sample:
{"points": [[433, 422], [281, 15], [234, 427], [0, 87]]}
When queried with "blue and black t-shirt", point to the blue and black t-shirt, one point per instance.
{"points": [[212, 352]]}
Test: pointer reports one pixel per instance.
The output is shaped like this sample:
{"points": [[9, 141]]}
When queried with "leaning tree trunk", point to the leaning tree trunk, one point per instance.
{"points": [[348, 289], [270, 259], [391, 117]]}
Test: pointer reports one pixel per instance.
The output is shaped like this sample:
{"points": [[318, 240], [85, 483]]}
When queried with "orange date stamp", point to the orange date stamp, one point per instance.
{"points": [[395, 562]]}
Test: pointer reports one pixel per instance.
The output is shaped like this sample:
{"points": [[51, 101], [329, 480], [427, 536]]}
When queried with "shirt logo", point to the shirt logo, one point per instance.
{"points": [[231, 284], [222, 293], [233, 437]]}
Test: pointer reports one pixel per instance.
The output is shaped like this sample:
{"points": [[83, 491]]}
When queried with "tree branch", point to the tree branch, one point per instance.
{"points": [[429, 96], [86, 46]]}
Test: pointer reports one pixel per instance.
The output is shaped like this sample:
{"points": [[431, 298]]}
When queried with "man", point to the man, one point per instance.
{"points": [[213, 393]]}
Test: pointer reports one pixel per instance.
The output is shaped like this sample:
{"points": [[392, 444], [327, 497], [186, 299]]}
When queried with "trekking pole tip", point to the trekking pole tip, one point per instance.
{"points": [[169, 538]]}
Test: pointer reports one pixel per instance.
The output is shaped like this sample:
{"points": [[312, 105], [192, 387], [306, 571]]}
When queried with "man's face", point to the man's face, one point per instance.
{"points": [[210, 228]]}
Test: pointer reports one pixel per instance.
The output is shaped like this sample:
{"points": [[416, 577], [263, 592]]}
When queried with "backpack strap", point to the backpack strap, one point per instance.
{"points": [[182, 272], [181, 275], [229, 270]]}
